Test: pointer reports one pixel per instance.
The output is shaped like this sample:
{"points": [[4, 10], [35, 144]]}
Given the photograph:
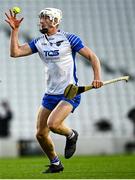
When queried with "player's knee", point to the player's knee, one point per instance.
{"points": [[40, 135], [52, 126]]}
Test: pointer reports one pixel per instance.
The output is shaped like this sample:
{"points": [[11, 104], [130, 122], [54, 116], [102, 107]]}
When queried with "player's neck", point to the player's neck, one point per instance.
{"points": [[52, 32]]}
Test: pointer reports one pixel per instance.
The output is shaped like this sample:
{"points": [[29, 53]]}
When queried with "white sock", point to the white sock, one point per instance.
{"points": [[55, 161], [71, 135]]}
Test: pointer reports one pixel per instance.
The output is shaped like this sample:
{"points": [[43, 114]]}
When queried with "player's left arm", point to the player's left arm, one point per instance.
{"points": [[95, 62]]}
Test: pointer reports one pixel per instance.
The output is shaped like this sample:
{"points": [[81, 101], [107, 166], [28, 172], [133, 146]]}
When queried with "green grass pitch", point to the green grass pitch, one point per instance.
{"points": [[78, 167]]}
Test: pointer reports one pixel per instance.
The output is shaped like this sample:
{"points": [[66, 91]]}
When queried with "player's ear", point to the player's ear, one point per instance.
{"points": [[56, 22]]}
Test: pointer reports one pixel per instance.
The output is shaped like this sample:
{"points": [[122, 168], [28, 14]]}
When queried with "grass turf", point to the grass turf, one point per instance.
{"points": [[78, 167]]}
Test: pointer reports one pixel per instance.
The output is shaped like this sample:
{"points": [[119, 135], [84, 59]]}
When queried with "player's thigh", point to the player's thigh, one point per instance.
{"points": [[42, 117], [61, 111]]}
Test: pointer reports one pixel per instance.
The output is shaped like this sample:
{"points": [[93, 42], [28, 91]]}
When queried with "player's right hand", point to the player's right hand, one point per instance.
{"points": [[97, 83], [12, 21]]}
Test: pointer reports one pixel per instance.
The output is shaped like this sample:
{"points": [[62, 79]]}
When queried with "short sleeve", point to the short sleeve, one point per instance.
{"points": [[75, 41], [32, 45]]}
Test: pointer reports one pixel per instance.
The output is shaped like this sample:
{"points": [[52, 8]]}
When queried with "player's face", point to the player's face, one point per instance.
{"points": [[45, 22]]}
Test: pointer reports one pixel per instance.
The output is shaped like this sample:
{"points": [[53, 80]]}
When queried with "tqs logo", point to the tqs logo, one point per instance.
{"points": [[52, 53]]}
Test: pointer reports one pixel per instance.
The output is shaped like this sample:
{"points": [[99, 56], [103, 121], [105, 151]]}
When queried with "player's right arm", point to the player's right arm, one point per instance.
{"points": [[16, 50]]}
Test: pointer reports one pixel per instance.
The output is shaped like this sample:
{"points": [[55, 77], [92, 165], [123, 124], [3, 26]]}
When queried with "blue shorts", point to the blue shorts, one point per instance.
{"points": [[51, 101]]}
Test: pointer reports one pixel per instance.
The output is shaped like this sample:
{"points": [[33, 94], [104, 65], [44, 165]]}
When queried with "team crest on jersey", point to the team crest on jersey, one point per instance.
{"points": [[58, 43], [51, 53], [44, 44]]}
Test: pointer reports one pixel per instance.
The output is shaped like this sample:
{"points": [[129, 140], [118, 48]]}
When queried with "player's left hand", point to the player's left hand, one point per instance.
{"points": [[97, 83]]}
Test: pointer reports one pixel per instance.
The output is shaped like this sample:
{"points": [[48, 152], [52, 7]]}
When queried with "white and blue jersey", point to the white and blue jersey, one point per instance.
{"points": [[58, 53]]}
